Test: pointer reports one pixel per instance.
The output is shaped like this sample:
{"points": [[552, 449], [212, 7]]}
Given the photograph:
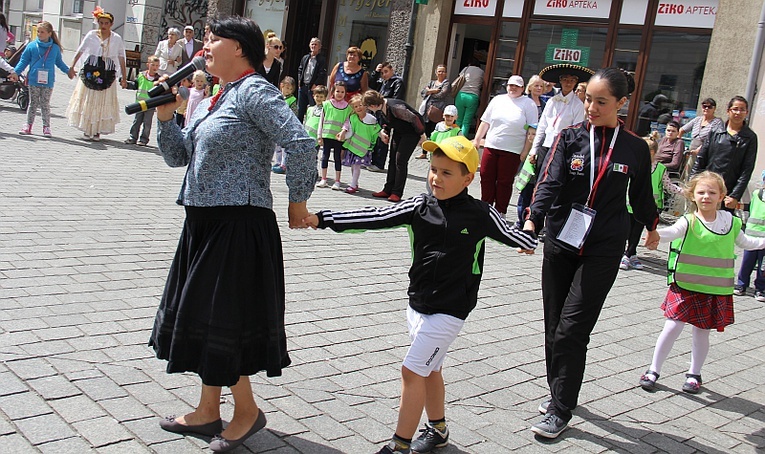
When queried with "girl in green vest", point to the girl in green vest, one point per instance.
{"points": [[701, 275], [660, 183], [359, 135], [752, 260], [444, 129], [334, 113], [287, 87]]}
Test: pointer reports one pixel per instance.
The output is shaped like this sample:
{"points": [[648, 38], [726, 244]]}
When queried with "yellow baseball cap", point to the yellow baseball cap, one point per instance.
{"points": [[457, 148]]}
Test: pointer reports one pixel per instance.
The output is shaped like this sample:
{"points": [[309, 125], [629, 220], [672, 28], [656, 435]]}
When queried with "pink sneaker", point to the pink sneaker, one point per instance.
{"points": [[46, 131], [26, 130]]}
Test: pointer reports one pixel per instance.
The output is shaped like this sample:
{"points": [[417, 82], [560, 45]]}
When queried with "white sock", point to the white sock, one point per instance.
{"points": [[699, 349], [355, 173], [667, 338]]}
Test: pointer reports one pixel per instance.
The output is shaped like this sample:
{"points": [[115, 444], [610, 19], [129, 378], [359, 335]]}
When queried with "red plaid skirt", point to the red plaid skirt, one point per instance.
{"points": [[699, 309]]}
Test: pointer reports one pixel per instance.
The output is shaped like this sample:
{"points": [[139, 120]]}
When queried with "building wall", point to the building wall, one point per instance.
{"points": [[730, 51], [432, 41]]}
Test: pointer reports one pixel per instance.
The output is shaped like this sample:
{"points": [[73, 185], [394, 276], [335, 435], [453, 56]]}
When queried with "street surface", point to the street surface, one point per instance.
{"points": [[87, 233]]}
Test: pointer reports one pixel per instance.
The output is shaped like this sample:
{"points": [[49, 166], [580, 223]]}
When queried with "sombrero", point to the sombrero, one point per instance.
{"points": [[553, 72]]}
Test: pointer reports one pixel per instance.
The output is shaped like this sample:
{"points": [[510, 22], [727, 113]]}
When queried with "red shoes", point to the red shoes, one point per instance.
{"points": [[394, 198], [381, 194]]}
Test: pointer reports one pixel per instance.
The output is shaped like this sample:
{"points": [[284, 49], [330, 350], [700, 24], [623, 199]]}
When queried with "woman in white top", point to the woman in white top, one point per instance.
{"points": [[506, 124], [93, 107], [170, 52], [469, 96]]}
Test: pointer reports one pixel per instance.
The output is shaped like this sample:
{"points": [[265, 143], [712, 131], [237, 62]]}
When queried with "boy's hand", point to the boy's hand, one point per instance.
{"points": [[311, 221], [652, 240]]}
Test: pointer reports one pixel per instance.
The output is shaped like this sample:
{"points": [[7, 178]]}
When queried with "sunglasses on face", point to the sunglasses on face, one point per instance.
{"points": [[277, 47], [707, 106]]}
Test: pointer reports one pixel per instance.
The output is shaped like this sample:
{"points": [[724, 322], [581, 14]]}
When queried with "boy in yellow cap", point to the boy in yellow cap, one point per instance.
{"points": [[448, 229]]}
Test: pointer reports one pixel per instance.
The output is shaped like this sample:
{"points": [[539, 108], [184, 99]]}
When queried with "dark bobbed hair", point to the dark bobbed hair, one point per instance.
{"points": [[738, 98], [674, 123], [3, 22], [373, 98], [244, 31], [710, 101], [620, 83]]}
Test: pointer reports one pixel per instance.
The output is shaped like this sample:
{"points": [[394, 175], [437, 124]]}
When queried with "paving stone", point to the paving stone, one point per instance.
{"points": [[16, 444], [77, 408], [54, 387], [23, 405], [66, 446], [44, 429], [103, 431], [126, 409], [100, 388]]}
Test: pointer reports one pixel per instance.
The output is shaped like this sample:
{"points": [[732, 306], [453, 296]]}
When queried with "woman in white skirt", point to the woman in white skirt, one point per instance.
{"points": [[93, 108]]}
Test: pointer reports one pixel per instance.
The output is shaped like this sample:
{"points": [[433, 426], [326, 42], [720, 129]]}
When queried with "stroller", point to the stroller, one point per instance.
{"points": [[17, 92]]}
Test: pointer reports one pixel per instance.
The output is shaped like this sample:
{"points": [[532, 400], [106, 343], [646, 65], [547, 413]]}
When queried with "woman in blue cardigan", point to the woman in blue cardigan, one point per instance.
{"points": [[42, 56]]}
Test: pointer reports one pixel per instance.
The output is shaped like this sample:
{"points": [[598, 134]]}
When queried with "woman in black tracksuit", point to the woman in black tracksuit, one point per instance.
{"points": [[578, 269]]}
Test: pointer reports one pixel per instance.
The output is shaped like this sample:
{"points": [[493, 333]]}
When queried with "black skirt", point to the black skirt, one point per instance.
{"points": [[222, 312]]}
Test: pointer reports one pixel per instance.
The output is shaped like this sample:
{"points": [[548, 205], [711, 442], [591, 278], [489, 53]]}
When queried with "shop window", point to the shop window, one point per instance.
{"points": [[504, 61], [470, 42], [268, 15], [675, 69], [626, 56], [364, 25], [553, 44]]}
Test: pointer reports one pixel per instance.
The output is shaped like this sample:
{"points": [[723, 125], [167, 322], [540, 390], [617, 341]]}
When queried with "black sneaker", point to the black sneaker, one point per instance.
{"points": [[544, 406], [739, 291], [431, 438], [392, 448], [550, 427]]}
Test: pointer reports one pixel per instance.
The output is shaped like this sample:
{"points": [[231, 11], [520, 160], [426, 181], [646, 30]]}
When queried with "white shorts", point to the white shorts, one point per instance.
{"points": [[431, 337]]}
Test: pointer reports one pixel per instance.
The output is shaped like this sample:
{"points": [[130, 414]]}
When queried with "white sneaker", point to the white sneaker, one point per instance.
{"points": [[322, 184], [636, 263], [625, 263], [336, 186]]}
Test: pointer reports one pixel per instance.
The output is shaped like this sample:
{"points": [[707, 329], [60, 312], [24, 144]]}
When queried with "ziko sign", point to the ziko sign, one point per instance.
{"points": [[690, 13], [476, 7], [577, 8]]}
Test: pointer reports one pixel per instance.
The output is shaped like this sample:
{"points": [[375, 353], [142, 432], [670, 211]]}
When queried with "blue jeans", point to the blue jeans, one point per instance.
{"points": [[748, 262]]}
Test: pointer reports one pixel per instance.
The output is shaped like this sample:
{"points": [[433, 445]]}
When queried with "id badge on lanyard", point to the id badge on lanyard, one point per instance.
{"points": [[581, 217], [42, 77]]}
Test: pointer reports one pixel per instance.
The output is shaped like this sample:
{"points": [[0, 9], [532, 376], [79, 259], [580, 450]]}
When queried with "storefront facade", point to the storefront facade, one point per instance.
{"points": [[663, 44]]}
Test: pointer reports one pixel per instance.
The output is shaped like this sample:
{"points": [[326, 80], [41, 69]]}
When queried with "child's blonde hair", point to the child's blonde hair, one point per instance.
{"points": [[199, 74], [49, 28], [706, 175], [288, 80], [358, 97], [652, 140]]}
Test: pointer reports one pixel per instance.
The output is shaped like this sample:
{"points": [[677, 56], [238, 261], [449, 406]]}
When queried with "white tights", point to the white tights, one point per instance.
{"points": [[667, 338], [355, 174]]}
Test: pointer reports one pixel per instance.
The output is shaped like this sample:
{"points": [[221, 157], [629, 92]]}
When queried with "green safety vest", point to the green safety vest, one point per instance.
{"points": [[312, 118], [703, 261], [657, 184], [290, 100], [755, 225], [363, 138], [143, 85], [334, 119], [526, 174], [438, 136]]}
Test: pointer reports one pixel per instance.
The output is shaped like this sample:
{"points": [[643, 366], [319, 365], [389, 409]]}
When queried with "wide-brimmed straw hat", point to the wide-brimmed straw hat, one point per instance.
{"points": [[553, 72]]}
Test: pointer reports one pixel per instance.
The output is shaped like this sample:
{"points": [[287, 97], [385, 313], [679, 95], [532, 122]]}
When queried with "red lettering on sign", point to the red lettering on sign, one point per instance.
{"points": [[671, 8], [557, 3], [476, 3], [573, 55]]}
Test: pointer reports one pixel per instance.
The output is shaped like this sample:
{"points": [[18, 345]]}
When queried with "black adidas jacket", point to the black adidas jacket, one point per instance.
{"points": [[447, 239]]}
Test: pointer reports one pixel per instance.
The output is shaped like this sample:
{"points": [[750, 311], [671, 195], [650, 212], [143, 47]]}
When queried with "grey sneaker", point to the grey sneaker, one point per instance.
{"points": [[739, 291], [550, 426], [635, 263], [544, 406], [430, 439], [759, 296]]}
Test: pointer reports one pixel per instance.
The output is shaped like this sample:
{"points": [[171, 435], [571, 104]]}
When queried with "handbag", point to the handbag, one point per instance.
{"points": [[435, 114], [457, 85], [96, 75]]}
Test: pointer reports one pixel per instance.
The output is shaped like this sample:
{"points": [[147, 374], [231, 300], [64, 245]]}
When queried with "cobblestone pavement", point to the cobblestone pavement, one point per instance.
{"points": [[87, 232]]}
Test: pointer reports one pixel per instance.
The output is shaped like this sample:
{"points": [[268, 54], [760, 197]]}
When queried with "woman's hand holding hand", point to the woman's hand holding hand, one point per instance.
{"points": [[652, 240], [311, 221], [298, 215], [71, 73], [730, 202]]}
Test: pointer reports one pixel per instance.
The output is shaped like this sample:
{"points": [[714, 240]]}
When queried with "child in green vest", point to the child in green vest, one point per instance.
{"points": [[359, 134], [144, 82], [701, 275], [334, 113], [660, 183], [752, 260], [287, 87], [313, 115], [444, 129]]}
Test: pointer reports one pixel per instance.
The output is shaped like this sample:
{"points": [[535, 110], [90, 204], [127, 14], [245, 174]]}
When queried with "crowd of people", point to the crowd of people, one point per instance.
{"points": [[587, 186]]}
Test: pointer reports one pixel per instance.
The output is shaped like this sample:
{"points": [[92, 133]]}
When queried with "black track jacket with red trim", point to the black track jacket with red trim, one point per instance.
{"points": [[565, 179]]}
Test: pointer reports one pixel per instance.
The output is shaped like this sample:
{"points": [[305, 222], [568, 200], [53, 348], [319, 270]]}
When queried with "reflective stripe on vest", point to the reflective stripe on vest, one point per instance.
{"points": [[755, 225], [527, 172], [312, 119], [657, 183], [333, 119], [703, 261], [363, 138]]}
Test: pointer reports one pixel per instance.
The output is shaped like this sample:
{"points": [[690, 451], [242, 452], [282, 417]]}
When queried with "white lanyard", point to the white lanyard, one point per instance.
{"points": [[592, 156]]}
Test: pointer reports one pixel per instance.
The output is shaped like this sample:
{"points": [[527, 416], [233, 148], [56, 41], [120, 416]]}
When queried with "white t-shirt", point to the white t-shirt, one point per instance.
{"points": [[507, 118], [560, 112]]}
